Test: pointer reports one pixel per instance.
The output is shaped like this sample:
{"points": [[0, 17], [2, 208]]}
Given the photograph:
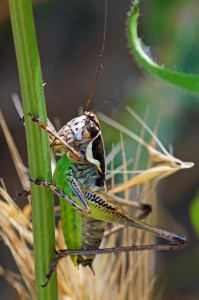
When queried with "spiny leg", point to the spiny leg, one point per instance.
{"points": [[62, 195], [158, 247], [52, 131]]}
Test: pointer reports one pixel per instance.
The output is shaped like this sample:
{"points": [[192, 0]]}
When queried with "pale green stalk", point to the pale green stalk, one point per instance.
{"points": [[37, 141]]}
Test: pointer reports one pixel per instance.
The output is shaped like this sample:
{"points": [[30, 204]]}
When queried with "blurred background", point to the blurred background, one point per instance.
{"points": [[69, 37]]}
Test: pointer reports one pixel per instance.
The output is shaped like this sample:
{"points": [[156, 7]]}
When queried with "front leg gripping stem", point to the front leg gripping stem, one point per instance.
{"points": [[36, 119], [60, 194]]}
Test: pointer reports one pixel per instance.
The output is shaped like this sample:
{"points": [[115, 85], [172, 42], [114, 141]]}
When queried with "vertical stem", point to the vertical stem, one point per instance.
{"points": [[37, 142]]}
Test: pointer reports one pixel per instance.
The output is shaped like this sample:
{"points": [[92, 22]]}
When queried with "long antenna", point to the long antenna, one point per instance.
{"points": [[100, 59]]}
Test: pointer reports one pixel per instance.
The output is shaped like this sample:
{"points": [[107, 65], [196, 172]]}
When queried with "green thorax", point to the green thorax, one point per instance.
{"points": [[86, 174], [75, 226]]}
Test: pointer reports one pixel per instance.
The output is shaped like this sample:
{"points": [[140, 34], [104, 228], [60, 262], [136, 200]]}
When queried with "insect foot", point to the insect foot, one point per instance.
{"points": [[180, 239], [38, 181], [43, 183], [147, 209], [25, 193], [52, 269], [35, 118], [53, 266]]}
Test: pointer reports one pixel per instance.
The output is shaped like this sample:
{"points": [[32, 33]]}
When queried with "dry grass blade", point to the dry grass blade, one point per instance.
{"points": [[16, 232], [21, 170], [155, 155], [166, 165], [16, 281]]}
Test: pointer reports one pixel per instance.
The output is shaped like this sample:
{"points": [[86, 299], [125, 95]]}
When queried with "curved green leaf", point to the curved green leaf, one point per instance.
{"points": [[188, 82]]}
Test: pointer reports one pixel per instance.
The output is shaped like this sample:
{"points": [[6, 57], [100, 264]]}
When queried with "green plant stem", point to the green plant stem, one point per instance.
{"points": [[37, 141], [188, 82]]}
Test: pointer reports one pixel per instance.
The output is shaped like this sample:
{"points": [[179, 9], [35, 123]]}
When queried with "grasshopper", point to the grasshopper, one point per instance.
{"points": [[79, 181]]}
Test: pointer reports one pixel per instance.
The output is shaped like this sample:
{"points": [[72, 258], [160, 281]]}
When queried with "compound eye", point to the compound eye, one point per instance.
{"points": [[92, 129]]}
